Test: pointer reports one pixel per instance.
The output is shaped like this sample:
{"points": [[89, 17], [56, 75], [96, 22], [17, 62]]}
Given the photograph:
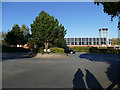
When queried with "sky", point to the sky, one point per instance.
{"points": [[81, 19]]}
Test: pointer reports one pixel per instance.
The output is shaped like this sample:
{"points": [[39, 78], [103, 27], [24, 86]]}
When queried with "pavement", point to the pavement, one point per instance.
{"points": [[80, 70]]}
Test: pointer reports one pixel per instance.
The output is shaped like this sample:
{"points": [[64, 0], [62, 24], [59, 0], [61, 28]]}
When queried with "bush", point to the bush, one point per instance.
{"points": [[57, 50], [93, 50], [104, 51], [81, 49], [103, 48], [41, 50]]}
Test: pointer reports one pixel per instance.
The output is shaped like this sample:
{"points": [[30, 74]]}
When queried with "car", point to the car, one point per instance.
{"points": [[69, 50]]}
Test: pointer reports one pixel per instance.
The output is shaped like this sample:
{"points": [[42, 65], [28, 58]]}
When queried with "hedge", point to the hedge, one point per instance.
{"points": [[57, 50], [81, 49], [105, 51]]}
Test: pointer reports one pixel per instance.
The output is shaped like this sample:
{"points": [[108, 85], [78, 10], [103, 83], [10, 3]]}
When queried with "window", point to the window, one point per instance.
{"points": [[79, 43], [76, 39], [68, 43], [72, 39], [97, 39], [104, 39], [90, 39], [79, 39], [72, 43], [68, 39], [83, 43], [94, 43], [94, 39], [75, 43]]}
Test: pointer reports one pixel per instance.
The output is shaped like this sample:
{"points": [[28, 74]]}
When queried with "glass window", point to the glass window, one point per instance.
{"points": [[68, 43], [87, 43], [94, 39], [86, 39], [97, 43], [90, 43], [79, 39], [79, 43], [68, 39], [104, 39], [75, 39], [72, 43], [101, 39], [90, 39], [75, 43], [83, 39], [83, 43], [94, 43], [72, 39], [97, 39]]}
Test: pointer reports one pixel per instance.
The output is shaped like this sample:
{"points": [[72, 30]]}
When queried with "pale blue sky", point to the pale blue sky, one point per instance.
{"points": [[81, 19]]}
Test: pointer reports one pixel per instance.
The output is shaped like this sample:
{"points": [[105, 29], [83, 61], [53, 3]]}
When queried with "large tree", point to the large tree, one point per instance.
{"points": [[46, 29], [15, 36]]}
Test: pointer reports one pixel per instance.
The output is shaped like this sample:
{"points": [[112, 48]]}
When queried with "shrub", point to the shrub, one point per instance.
{"points": [[104, 51], [57, 50], [41, 50], [81, 49], [103, 48]]}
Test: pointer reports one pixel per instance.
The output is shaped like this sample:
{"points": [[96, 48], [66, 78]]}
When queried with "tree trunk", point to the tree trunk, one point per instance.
{"points": [[46, 44]]}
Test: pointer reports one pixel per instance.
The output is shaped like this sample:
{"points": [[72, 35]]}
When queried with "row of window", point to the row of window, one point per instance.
{"points": [[85, 39], [86, 43]]}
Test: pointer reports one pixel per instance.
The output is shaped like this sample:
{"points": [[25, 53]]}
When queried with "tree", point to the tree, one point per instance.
{"points": [[3, 35], [15, 36], [26, 33], [46, 29], [116, 41], [111, 8]]}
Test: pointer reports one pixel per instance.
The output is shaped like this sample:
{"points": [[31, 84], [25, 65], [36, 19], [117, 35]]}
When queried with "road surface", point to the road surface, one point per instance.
{"points": [[80, 70]]}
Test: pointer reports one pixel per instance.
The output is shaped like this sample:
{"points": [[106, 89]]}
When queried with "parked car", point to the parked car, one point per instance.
{"points": [[69, 50]]}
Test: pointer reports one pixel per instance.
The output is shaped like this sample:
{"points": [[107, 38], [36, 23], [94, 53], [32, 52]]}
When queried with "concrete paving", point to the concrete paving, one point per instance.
{"points": [[80, 70]]}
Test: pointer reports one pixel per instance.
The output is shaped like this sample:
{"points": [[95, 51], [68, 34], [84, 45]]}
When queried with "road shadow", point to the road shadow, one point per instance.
{"points": [[113, 71], [78, 81], [12, 56], [91, 81]]}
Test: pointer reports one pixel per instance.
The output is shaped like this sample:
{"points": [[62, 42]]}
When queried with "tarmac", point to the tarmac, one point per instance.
{"points": [[80, 70]]}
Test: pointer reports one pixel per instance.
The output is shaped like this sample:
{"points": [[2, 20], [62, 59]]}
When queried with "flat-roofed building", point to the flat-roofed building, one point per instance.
{"points": [[103, 39]]}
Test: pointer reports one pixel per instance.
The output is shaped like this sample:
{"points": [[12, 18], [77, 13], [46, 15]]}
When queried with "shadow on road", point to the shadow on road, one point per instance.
{"points": [[113, 72], [78, 81], [11, 56], [91, 81]]}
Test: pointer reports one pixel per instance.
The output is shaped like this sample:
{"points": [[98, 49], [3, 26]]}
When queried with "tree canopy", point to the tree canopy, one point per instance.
{"points": [[46, 30], [110, 8], [15, 36]]}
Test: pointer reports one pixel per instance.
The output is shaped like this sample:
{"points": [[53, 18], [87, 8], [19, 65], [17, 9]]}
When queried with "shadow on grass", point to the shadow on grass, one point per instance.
{"points": [[113, 72]]}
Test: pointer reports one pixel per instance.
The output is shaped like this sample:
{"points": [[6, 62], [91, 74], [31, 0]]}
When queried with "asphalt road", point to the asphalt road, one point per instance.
{"points": [[79, 70]]}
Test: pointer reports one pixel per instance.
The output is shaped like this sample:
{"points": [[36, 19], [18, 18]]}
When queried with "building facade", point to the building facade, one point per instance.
{"points": [[103, 39], [104, 33]]}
